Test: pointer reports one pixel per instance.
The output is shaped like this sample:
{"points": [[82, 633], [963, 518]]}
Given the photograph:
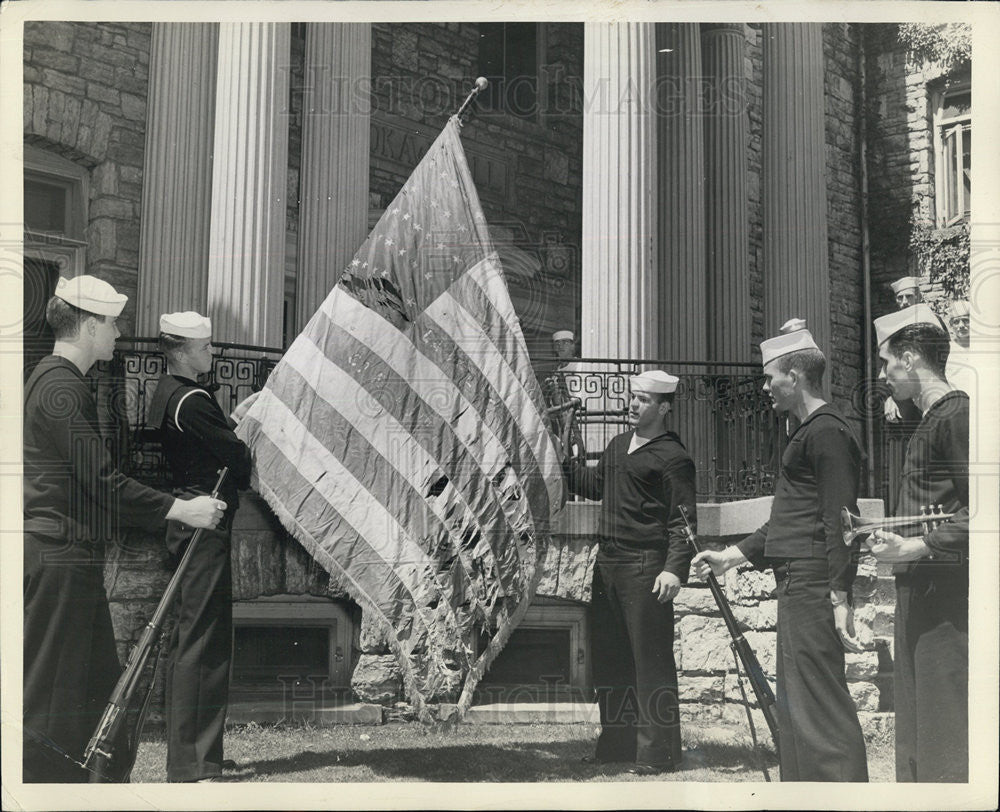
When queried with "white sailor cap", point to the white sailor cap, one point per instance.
{"points": [[655, 381], [562, 335], [792, 325], [905, 283], [187, 324], [887, 326], [91, 294], [960, 307], [793, 337]]}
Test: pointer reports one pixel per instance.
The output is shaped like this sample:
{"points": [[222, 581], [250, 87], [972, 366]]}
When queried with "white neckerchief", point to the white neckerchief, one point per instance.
{"points": [[638, 442]]}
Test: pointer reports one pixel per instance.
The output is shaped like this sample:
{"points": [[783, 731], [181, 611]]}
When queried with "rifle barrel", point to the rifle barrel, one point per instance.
{"points": [[751, 665]]}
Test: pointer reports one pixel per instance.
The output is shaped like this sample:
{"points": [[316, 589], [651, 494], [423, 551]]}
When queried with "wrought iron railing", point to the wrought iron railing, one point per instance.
{"points": [[125, 386], [720, 412]]}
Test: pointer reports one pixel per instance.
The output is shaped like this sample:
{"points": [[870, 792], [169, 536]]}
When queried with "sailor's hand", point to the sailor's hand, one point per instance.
{"points": [[896, 549], [716, 561], [666, 586], [244, 406], [843, 621], [891, 410], [201, 511]]}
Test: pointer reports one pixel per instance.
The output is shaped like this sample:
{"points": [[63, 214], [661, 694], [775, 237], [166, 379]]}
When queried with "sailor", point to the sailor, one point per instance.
{"points": [[76, 501], [198, 440], [906, 289], [960, 369], [821, 738], [931, 629], [643, 479]]}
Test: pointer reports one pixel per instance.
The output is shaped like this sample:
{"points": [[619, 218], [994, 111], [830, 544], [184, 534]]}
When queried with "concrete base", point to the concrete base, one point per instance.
{"points": [[522, 713], [317, 712]]}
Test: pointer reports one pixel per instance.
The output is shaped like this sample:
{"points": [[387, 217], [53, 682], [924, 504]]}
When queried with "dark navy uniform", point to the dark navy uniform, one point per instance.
{"points": [[931, 668], [74, 502], [198, 440], [641, 534], [821, 737]]}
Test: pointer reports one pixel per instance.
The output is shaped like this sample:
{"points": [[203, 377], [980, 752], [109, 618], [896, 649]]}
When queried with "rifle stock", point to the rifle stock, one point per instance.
{"points": [[751, 665], [99, 757]]}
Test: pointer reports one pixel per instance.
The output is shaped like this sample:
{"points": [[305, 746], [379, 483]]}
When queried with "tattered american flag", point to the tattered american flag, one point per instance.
{"points": [[402, 438]]}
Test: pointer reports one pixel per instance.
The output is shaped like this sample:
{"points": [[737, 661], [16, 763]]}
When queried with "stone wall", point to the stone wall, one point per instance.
{"points": [[845, 366], [85, 88]]}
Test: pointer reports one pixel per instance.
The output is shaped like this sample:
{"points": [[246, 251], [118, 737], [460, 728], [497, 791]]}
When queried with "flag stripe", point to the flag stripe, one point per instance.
{"points": [[428, 381], [493, 414], [467, 332], [437, 390], [369, 518], [313, 517], [483, 291], [343, 402], [459, 334], [499, 521]]}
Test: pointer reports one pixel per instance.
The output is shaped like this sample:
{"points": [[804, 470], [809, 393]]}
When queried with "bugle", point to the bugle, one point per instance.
{"points": [[106, 762], [852, 525]]}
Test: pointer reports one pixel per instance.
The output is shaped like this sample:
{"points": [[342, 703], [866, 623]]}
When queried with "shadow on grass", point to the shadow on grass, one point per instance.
{"points": [[723, 757], [525, 761]]}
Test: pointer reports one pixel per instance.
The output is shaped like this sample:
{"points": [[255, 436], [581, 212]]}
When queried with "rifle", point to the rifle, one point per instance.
{"points": [[105, 762], [742, 653]]}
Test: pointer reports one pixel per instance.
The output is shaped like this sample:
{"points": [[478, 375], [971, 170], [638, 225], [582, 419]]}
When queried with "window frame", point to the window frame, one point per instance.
{"points": [[943, 129], [68, 250], [541, 78]]}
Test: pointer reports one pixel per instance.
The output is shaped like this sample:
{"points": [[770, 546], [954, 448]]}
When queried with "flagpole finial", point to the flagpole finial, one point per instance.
{"points": [[481, 84]]}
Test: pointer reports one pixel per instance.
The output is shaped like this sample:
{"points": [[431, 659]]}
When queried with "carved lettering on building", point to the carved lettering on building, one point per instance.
{"points": [[398, 144]]}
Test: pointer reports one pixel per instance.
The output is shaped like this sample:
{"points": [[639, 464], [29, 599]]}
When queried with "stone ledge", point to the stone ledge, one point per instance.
{"points": [[523, 713], [317, 712], [715, 519]]}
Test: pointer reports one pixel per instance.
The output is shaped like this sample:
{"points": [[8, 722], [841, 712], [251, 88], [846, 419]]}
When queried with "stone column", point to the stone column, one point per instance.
{"points": [[333, 214], [177, 172], [796, 270], [247, 253], [727, 223], [683, 333], [619, 292]]}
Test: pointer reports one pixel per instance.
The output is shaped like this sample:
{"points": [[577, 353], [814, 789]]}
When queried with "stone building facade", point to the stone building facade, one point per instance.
{"points": [[134, 122]]}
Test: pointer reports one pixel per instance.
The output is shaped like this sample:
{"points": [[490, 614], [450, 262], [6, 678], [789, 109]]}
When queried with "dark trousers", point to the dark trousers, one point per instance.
{"points": [[633, 649], [821, 737], [199, 654], [931, 679], [70, 661]]}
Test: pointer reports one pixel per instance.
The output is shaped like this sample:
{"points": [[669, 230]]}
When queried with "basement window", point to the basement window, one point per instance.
{"points": [[289, 643], [545, 659]]}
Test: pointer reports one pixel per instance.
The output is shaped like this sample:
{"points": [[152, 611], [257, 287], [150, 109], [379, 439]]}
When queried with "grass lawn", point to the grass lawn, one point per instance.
{"points": [[467, 753]]}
